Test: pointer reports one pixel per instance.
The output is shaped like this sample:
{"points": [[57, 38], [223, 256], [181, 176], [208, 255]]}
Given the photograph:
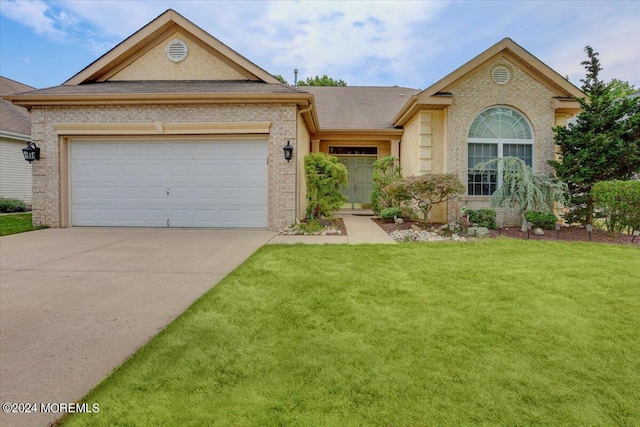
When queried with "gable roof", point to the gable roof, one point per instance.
{"points": [[169, 21], [436, 96], [358, 107], [14, 119]]}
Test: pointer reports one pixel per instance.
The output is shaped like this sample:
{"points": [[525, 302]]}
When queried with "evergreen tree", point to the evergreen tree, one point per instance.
{"points": [[604, 143]]}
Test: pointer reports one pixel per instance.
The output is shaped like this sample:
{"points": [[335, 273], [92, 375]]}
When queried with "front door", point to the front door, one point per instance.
{"points": [[360, 181]]}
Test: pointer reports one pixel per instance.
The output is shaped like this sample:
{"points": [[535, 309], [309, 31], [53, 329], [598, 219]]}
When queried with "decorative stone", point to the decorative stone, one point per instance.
{"points": [[399, 221], [416, 228], [478, 232], [538, 232]]}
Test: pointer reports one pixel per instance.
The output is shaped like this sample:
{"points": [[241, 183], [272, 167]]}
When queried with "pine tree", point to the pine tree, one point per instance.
{"points": [[604, 143]]}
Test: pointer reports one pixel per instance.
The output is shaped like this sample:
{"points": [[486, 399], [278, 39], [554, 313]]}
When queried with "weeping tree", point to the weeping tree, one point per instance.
{"points": [[522, 189]]}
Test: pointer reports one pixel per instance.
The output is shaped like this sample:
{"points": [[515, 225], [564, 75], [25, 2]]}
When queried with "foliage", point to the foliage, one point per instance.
{"points": [[324, 175], [385, 171], [321, 81], [620, 89], [604, 143], [522, 189], [17, 223], [389, 214], [311, 226], [544, 220], [483, 217], [426, 190], [619, 202], [12, 205], [282, 79], [397, 335]]}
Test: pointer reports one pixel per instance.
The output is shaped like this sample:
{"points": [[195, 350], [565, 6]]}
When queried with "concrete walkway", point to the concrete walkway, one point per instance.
{"points": [[76, 302], [360, 229]]}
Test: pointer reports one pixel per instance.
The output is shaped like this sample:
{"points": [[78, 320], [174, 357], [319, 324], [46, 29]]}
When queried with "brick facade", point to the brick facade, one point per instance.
{"points": [[48, 178]]}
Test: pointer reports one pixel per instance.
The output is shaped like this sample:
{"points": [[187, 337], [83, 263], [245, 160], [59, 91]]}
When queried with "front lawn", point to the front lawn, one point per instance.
{"points": [[499, 332], [16, 223]]}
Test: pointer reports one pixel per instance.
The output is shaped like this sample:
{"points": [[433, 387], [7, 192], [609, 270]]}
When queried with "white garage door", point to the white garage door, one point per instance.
{"points": [[177, 183]]}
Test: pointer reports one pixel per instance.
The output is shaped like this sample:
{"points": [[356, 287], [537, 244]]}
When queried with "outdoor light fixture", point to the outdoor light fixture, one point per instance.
{"points": [[529, 227], [452, 227], [288, 151], [31, 152], [557, 230], [635, 234], [589, 230]]}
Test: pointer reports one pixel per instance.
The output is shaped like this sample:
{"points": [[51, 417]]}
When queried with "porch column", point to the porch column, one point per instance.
{"points": [[395, 148], [315, 145]]}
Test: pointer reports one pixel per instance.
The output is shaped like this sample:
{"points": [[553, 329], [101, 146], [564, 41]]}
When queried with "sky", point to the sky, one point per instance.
{"points": [[366, 43]]}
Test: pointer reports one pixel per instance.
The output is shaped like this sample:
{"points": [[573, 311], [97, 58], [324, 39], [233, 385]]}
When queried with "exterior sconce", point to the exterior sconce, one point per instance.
{"points": [[288, 151], [31, 152], [590, 230]]}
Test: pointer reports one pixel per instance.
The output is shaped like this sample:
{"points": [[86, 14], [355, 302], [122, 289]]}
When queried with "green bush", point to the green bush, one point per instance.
{"points": [[619, 203], [544, 220], [12, 205], [324, 175], [389, 214], [483, 217], [385, 171]]}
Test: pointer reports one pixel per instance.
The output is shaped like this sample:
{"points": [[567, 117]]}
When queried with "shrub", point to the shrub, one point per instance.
{"points": [[311, 226], [619, 202], [324, 175], [426, 190], [12, 205], [389, 214], [544, 220], [385, 171], [483, 217]]}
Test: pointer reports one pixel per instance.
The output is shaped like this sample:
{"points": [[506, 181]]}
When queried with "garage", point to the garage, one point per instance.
{"points": [[169, 182]]}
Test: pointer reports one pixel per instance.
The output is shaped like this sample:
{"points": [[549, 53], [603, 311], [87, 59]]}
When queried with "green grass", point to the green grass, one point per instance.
{"points": [[16, 223], [500, 332]]}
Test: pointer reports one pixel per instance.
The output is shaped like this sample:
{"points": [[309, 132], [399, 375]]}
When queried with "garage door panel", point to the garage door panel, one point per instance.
{"points": [[210, 183]]}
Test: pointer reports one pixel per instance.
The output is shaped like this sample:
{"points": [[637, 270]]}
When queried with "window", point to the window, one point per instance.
{"points": [[496, 132]]}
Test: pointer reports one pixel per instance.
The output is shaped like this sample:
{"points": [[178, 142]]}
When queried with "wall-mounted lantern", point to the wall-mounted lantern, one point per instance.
{"points": [[288, 151], [31, 152]]}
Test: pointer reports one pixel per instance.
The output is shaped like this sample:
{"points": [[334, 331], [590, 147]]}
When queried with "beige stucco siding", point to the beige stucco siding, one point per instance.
{"points": [[409, 149], [303, 147], [479, 92], [198, 65], [49, 174]]}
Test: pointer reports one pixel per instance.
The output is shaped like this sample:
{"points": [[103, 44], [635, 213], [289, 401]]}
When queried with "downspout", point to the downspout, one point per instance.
{"points": [[300, 113]]}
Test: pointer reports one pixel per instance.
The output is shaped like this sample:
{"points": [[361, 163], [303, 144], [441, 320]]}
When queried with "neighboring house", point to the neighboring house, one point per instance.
{"points": [[15, 132], [173, 128]]}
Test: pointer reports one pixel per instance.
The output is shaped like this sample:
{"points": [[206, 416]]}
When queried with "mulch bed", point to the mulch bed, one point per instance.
{"points": [[338, 224], [569, 234]]}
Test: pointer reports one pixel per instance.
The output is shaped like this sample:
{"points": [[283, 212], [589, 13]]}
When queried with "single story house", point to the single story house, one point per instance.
{"points": [[173, 128], [15, 132]]}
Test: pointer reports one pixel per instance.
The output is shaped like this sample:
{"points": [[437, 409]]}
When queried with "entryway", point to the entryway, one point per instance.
{"points": [[360, 181]]}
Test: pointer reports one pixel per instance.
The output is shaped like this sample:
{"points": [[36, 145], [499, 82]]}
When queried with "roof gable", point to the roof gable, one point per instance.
{"points": [[136, 57], [14, 119]]}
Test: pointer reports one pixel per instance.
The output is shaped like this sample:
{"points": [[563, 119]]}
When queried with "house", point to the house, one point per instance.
{"points": [[173, 128], [15, 132]]}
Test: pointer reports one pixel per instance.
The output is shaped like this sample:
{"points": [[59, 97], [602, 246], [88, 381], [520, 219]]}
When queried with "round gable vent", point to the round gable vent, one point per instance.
{"points": [[176, 50], [501, 74]]}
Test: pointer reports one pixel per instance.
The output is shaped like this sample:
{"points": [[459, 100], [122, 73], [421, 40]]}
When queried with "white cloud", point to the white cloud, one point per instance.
{"points": [[34, 14]]}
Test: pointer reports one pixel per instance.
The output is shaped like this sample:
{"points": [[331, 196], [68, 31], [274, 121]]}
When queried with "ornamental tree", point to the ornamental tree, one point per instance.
{"points": [[324, 175], [604, 143], [322, 81], [523, 190], [426, 190]]}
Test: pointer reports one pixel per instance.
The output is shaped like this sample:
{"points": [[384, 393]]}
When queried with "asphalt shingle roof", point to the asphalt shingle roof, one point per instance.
{"points": [[358, 107], [13, 118], [168, 86]]}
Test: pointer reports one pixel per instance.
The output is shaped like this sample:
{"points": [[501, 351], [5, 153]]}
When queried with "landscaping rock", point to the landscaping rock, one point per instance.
{"points": [[538, 232], [422, 236], [478, 232], [416, 228], [399, 221]]}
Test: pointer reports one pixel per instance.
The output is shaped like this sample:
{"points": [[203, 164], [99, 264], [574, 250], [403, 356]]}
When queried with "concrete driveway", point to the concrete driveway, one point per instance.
{"points": [[76, 302]]}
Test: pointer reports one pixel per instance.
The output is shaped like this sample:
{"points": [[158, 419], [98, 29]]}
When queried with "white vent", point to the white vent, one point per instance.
{"points": [[176, 50], [501, 74]]}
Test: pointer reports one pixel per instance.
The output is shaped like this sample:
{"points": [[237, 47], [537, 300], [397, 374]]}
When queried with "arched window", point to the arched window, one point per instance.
{"points": [[496, 132]]}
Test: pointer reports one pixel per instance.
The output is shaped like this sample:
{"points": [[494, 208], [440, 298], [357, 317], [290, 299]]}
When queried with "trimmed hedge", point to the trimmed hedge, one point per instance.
{"points": [[12, 205], [544, 220], [483, 217], [619, 203]]}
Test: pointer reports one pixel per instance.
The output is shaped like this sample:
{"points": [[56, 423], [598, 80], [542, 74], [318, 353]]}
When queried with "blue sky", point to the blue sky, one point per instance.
{"points": [[405, 43]]}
